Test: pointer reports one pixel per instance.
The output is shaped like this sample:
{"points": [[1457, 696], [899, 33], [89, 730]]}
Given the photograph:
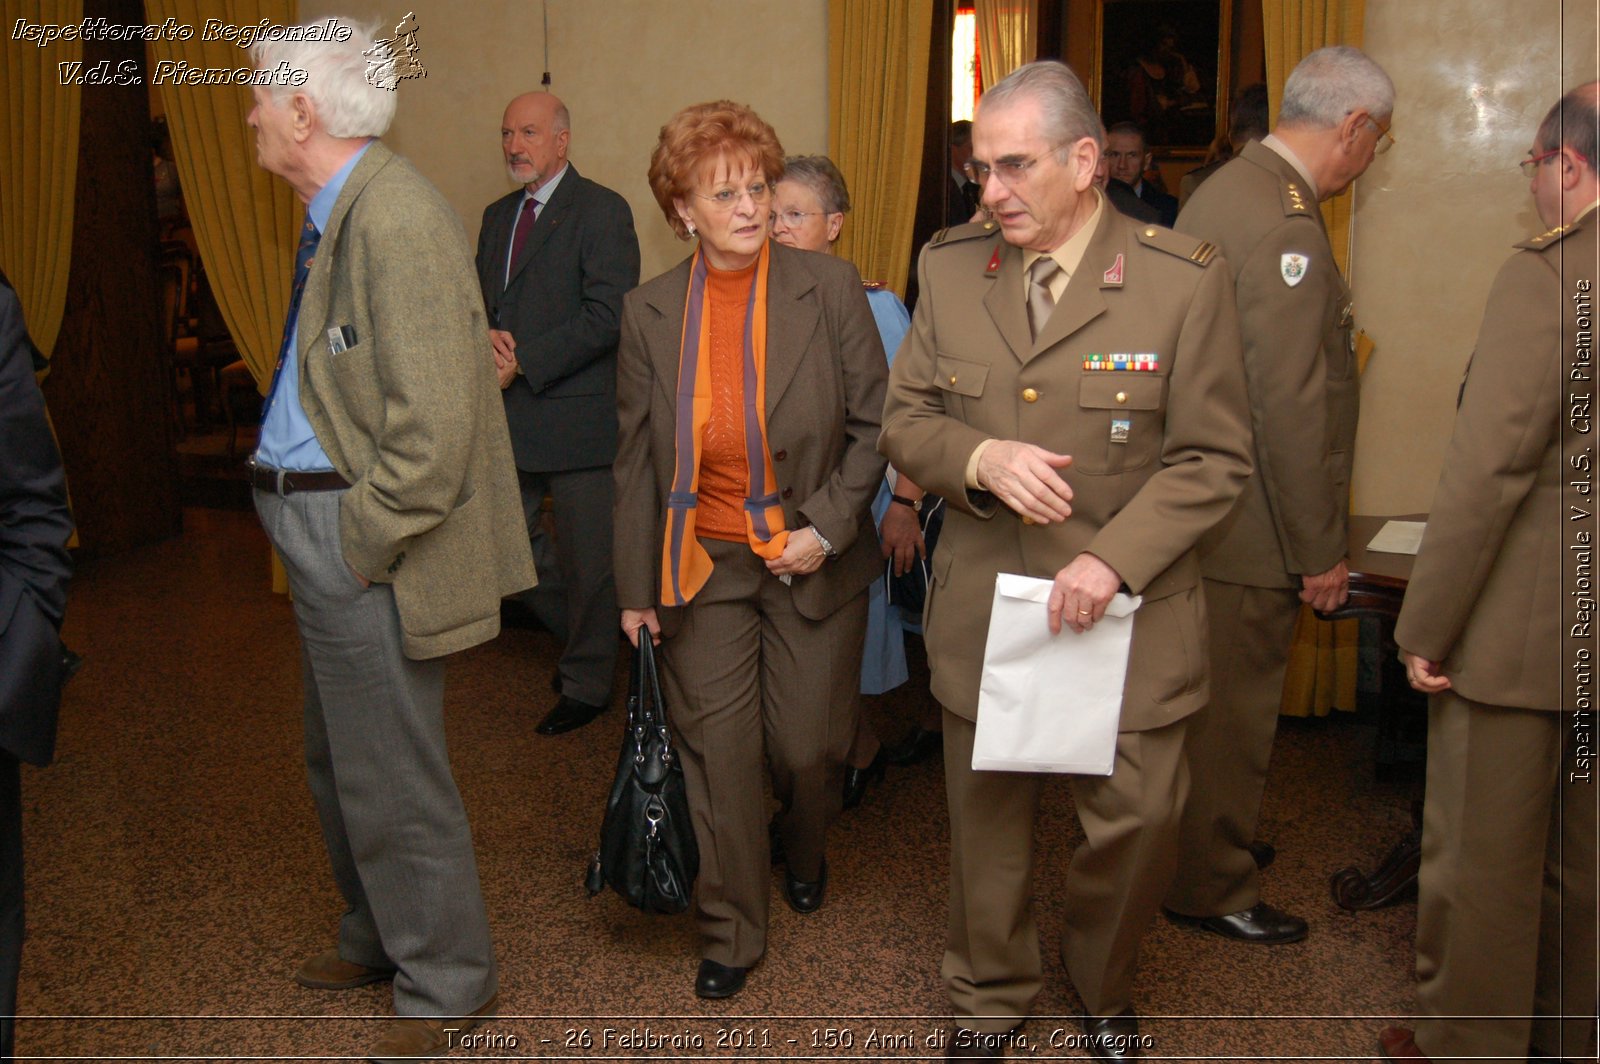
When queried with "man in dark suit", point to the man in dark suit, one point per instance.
{"points": [[384, 480], [1003, 401], [1506, 935], [34, 569], [1284, 543], [554, 261], [1128, 157], [961, 192]]}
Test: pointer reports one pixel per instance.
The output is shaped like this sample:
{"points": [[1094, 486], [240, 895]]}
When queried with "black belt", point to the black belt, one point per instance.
{"points": [[289, 481]]}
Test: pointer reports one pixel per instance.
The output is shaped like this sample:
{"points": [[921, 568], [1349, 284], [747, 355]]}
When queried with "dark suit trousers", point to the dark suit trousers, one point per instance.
{"points": [[585, 612], [1506, 894], [10, 895], [1114, 882], [745, 672], [379, 771]]}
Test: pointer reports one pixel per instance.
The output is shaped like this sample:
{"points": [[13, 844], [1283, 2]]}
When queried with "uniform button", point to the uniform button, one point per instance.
{"points": [[1027, 520], [1149, 232], [1029, 395], [952, 378], [780, 456], [1122, 397], [788, 493]]}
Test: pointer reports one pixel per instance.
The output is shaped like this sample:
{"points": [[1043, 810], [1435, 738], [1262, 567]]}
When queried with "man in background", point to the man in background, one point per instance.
{"points": [[34, 569], [1247, 122], [1506, 902], [1284, 543], [961, 192], [554, 260], [1127, 158], [384, 480]]}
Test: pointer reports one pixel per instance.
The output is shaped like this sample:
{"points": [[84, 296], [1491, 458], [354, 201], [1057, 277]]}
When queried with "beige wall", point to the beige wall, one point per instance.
{"points": [[621, 66], [1437, 216]]}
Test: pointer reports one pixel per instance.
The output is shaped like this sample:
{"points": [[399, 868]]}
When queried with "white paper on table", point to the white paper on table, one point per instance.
{"points": [[1398, 537], [1050, 703]]}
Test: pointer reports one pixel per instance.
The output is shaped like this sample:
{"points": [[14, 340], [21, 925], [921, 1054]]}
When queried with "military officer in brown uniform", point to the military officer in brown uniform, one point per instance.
{"points": [[1491, 631], [1285, 541], [1097, 477]]}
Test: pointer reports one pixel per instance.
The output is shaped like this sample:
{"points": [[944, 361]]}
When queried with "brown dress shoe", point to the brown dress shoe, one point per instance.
{"points": [[329, 971], [410, 1037], [1400, 1043]]}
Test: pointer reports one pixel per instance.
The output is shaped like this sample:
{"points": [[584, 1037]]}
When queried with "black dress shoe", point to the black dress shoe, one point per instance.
{"points": [[1261, 924], [715, 980], [1114, 1037], [918, 746], [568, 714], [805, 897], [856, 779], [962, 1044], [1262, 853]]}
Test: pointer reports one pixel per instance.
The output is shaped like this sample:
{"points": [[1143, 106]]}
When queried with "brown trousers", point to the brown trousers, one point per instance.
{"points": [[1114, 883], [749, 681], [1229, 746], [1506, 922]]}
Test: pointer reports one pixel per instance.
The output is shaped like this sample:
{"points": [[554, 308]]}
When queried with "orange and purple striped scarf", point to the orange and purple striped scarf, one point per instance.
{"points": [[685, 565]]}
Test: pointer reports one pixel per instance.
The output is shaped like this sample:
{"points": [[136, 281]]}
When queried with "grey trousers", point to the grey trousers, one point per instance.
{"points": [[392, 819]]}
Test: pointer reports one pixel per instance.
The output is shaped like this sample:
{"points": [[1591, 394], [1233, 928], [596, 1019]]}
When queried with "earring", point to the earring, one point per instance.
{"points": [[690, 227]]}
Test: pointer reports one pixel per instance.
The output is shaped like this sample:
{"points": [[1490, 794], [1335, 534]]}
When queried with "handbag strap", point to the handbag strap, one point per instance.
{"points": [[649, 709]]}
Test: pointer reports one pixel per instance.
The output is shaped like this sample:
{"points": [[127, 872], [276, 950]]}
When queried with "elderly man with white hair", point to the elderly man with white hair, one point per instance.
{"points": [[1284, 543], [384, 480]]}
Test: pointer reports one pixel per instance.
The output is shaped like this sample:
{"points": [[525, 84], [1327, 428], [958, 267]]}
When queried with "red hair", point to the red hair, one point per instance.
{"points": [[695, 138]]}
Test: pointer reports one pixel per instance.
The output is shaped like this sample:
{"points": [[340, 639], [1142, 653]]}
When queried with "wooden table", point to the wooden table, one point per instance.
{"points": [[1377, 587]]}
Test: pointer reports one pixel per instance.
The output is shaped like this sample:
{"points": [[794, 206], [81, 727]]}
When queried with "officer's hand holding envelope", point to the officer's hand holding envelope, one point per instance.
{"points": [[1050, 702]]}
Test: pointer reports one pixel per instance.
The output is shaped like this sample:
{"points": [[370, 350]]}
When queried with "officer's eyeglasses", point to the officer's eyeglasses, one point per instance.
{"points": [[1011, 172], [1530, 165]]}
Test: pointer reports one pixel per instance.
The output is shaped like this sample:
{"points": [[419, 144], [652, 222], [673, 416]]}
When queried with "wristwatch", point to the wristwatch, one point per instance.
{"points": [[915, 504]]}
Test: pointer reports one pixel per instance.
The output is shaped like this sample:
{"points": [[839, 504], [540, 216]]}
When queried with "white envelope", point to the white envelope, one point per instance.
{"points": [[1050, 703]]}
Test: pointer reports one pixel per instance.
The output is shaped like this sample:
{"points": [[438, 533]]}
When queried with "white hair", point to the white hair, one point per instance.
{"points": [[347, 105], [1331, 83], [1069, 116]]}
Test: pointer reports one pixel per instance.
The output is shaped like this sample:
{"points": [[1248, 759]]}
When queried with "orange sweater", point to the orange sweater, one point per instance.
{"points": [[724, 468]]}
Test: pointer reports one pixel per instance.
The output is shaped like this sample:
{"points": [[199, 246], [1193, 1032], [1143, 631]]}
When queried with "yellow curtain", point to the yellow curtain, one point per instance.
{"points": [[245, 220], [1007, 37], [39, 171], [1323, 661], [877, 104]]}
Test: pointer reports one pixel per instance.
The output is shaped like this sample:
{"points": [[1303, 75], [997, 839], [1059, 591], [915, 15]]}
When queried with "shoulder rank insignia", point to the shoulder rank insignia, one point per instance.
{"points": [[966, 231], [873, 286], [1294, 202], [1546, 238], [1199, 252]]}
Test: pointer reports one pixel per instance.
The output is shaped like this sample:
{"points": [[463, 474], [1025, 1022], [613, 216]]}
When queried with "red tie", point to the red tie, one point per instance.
{"points": [[525, 220]]}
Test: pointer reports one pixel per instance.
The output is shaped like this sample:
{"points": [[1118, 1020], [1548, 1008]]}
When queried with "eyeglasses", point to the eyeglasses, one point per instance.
{"points": [[725, 199], [1011, 172], [795, 219], [1385, 138], [1530, 165]]}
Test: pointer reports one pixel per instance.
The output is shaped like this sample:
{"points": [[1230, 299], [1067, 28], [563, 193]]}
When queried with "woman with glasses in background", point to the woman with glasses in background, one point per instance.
{"points": [[808, 210], [750, 382]]}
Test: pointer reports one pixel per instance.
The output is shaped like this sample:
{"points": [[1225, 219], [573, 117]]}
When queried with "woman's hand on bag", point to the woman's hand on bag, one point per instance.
{"points": [[901, 537], [802, 555], [633, 620]]}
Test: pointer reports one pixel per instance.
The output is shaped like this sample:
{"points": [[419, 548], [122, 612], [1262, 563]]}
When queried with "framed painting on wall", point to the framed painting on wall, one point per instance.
{"points": [[1164, 65]]}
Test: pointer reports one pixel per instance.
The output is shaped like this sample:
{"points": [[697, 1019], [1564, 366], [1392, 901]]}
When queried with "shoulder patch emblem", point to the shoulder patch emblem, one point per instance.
{"points": [[1293, 266]]}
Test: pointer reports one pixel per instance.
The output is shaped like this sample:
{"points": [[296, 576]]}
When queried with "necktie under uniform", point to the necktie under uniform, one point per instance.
{"points": [[1040, 301], [309, 236]]}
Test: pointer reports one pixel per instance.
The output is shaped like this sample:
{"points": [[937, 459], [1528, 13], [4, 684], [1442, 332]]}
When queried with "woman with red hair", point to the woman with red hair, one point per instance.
{"points": [[750, 382]]}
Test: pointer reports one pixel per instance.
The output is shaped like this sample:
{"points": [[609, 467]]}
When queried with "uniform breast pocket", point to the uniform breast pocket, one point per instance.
{"points": [[959, 379], [1119, 422]]}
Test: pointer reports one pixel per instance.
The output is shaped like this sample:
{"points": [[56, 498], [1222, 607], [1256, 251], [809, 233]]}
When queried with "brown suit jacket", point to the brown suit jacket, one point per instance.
{"points": [[1292, 519], [410, 413], [825, 381], [1485, 586], [964, 375]]}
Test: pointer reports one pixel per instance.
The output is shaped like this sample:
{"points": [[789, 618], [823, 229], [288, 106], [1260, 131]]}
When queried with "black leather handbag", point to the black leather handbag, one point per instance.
{"points": [[647, 850], [909, 590]]}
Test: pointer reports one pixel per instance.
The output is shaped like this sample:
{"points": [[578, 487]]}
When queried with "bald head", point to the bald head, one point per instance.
{"points": [[1565, 181], [534, 135]]}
